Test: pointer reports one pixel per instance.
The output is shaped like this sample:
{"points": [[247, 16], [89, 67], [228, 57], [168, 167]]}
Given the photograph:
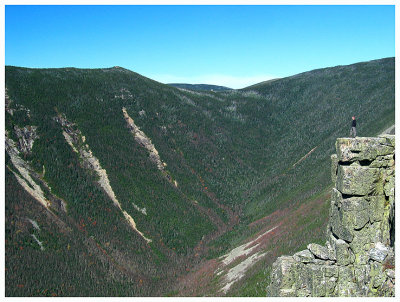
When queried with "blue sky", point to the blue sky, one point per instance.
{"points": [[234, 46]]}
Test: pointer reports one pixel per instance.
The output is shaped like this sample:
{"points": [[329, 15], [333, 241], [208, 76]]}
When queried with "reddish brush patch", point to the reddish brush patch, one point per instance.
{"points": [[270, 218], [282, 229], [266, 237], [201, 277]]}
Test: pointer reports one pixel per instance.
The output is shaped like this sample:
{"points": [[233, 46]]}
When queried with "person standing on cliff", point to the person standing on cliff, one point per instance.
{"points": [[353, 127]]}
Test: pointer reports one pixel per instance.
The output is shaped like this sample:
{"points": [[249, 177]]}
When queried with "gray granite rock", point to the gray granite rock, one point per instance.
{"points": [[358, 258]]}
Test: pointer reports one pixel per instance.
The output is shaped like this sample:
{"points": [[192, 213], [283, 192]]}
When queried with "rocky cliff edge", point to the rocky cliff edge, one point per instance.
{"points": [[358, 256]]}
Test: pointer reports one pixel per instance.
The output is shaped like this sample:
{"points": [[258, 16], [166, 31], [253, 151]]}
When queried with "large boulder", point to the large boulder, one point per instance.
{"points": [[344, 255], [304, 256], [355, 212], [379, 252], [359, 180], [363, 148], [319, 251]]}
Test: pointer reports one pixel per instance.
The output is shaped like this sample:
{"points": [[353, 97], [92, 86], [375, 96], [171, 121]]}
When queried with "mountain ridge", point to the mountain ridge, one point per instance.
{"points": [[200, 87], [206, 85]]}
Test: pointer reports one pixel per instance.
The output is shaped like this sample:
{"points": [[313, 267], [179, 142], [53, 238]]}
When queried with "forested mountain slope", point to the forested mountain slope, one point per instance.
{"points": [[141, 182]]}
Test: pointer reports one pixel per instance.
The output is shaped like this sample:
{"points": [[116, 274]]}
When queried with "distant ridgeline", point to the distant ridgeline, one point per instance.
{"points": [[358, 258], [200, 87]]}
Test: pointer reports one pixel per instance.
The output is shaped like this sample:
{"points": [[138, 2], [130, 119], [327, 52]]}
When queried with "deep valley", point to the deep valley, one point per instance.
{"points": [[117, 185]]}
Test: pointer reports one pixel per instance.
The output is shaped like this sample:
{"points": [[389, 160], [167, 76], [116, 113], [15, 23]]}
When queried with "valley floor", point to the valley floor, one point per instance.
{"points": [[281, 232]]}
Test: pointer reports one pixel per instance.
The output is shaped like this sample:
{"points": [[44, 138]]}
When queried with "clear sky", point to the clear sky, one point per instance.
{"points": [[233, 46]]}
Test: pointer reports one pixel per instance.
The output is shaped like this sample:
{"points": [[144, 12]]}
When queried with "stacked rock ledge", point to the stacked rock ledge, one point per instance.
{"points": [[358, 257]]}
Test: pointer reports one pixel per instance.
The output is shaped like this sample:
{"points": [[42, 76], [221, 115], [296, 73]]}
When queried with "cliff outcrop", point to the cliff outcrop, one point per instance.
{"points": [[358, 256]]}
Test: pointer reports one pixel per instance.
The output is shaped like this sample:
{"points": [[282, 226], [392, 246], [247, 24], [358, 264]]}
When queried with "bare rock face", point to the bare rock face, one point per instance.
{"points": [[23, 175], [76, 140], [358, 258], [143, 140], [26, 137], [304, 256], [319, 251]]}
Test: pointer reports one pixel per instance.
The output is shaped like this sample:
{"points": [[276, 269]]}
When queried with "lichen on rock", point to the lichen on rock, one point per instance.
{"points": [[359, 253]]}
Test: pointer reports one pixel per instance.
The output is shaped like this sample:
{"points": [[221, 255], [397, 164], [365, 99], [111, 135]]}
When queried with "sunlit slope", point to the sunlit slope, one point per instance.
{"points": [[292, 193], [304, 114]]}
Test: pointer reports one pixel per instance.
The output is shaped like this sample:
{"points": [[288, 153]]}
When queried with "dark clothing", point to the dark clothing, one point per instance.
{"points": [[353, 130]]}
